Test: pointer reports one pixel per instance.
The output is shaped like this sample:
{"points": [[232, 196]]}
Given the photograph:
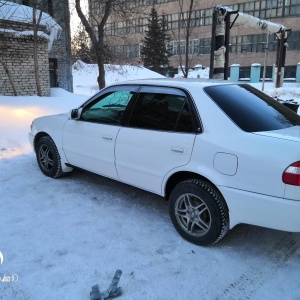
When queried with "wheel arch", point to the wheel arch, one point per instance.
{"points": [[37, 137], [181, 176], [63, 158]]}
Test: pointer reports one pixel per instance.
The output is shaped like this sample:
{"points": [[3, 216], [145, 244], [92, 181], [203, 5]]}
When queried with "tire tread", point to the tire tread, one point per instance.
{"points": [[219, 200], [59, 171]]}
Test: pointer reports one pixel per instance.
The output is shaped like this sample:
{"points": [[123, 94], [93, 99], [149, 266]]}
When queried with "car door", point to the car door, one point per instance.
{"points": [[158, 137], [89, 142]]}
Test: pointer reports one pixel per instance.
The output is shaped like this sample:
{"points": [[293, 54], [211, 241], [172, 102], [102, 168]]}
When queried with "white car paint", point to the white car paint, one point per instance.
{"points": [[91, 146], [250, 179], [55, 125], [141, 156]]}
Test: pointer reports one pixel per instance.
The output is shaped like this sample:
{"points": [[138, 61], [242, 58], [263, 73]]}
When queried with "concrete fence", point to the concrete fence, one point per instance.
{"points": [[255, 73]]}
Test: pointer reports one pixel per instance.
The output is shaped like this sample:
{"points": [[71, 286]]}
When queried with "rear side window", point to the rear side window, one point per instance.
{"points": [[251, 109], [159, 111]]}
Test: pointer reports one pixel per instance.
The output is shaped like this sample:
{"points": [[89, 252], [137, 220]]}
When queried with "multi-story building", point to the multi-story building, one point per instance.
{"points": [[247, 45]]}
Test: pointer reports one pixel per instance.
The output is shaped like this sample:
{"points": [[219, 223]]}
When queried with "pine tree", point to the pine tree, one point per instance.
{"points": [[155, 52], [81, 48]]}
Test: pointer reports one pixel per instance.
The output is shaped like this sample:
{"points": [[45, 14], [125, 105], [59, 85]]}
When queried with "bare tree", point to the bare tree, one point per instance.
{"points": [[98, 42], [36, 20], [186, 27], [39, 18], [110, 10], [2, 62]]}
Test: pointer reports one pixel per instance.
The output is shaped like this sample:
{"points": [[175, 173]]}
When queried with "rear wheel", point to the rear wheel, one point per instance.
{"points": [[48, 157], [198, 212]]}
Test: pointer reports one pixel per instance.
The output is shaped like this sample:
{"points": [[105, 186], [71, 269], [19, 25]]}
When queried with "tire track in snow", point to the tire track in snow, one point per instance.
{"points": [[248, 283]]}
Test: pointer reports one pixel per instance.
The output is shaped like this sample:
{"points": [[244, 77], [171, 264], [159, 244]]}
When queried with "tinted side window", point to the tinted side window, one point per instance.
{"points": [[159, 111], [108, 108], [251, 109]]}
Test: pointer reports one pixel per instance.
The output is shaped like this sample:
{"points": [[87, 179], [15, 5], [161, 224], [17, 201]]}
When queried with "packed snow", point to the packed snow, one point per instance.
{"points": [[59, 237], [197, 72]]}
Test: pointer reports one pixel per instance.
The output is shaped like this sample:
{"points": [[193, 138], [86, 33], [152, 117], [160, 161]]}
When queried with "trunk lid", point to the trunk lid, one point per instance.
{"points": [[290, 134]]}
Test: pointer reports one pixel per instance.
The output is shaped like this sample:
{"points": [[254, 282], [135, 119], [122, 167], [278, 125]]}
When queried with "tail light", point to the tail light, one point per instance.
{"points": [[292, 174]]}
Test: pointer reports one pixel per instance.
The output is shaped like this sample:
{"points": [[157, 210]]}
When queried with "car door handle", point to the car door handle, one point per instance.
{"points": [[107, 137], [178, 150]]}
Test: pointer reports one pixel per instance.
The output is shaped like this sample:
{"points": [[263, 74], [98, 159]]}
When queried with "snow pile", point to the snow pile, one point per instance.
{"points": [[20, 13], [85, 76], [289, 91], [199, 73], [16, 114]]}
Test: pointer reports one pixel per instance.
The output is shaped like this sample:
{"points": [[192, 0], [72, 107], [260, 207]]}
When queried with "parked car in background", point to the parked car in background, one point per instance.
{"points": [[220, 153]]}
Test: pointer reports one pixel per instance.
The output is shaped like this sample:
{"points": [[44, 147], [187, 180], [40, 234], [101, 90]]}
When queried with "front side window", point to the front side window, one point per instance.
{"points": [[159, 111], [251, 109], [108, 108]]}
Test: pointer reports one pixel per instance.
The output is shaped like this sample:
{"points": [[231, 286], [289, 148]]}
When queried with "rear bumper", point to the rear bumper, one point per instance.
{"points": [[262, 210]]}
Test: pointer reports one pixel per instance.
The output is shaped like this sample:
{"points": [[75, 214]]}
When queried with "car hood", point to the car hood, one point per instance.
{"points": [[291, 134]]}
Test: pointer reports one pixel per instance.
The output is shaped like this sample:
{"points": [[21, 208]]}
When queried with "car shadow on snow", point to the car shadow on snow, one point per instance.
{"points": [[242, 237], [122, 193]]}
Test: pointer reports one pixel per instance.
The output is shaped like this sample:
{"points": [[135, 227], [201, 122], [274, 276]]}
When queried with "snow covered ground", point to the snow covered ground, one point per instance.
{"points": [[60, 237]]}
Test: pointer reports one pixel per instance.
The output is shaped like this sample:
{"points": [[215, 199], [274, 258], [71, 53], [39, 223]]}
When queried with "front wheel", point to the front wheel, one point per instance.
{"points": [[198, 212], [48, 157]]}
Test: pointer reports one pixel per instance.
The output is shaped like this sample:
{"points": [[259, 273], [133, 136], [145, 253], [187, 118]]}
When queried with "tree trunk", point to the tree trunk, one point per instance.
{"points": [[35, 50], [101, 77], [97, 44], [9, 77], [187, 39]]}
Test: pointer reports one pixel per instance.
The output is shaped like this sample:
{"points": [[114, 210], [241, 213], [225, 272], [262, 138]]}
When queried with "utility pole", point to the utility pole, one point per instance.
{"points": [[265, 62], [280, 56], [222, 23]]}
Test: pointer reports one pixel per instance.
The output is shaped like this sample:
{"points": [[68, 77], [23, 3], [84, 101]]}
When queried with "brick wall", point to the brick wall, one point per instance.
{"points": [[61, 49], [17, 53]]}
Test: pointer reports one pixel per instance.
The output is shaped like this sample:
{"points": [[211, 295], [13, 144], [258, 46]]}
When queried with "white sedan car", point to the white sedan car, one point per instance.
{"points": [[221, 153]]}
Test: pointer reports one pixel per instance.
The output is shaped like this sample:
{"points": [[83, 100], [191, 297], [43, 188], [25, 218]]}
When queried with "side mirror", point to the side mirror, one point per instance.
{"points": [[75, 114]]}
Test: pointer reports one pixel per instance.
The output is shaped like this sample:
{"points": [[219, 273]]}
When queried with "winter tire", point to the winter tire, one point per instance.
{"points": [[198, 212], [48, 157]]}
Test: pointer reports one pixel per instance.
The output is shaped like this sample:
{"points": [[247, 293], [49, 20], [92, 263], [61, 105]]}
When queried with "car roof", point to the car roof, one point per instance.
{"points": [[175, 82]]}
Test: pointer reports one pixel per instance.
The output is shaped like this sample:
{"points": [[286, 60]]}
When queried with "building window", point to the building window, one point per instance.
{"points": [[263, 9], [245, 72], [126, 51], [290, 72], [258, 42]]}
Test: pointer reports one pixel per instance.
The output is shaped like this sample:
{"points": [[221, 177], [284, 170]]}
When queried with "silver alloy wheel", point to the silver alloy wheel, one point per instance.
{"points": [[192, 215], [45, 157]]}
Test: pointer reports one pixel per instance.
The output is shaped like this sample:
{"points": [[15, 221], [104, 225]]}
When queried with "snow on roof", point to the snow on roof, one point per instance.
{"points": [[21, 13], [41, 34]]}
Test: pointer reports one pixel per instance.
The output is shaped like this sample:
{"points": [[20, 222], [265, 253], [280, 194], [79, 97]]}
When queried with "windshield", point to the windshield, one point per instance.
{"points": [[251, 109]]}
